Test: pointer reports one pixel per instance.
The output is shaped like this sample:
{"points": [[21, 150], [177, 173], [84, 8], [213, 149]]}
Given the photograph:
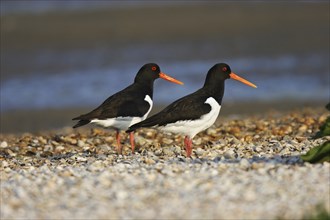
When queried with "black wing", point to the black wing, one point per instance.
{"points": [[190, 107], [128, 102]]}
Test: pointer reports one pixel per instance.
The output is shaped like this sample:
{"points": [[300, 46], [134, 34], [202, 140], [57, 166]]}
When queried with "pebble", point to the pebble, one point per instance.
{"points": [[167, 140], [81, 159], [59, 148], [80, 143], [158, 152], [199, 152], [168, 152], [230, 154], [48, 147], [149, 161], [258, 148], [3, 144], [4, 164], [244, 163]]}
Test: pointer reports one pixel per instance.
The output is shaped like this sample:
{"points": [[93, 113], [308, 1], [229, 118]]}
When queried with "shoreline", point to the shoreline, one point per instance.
{"points": [[35, 121]]}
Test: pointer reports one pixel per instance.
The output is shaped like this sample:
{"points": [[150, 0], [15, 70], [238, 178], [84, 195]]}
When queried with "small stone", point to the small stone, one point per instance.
{"points": [[303, 128], [54, 143], [48, 147], [158, 152], [159, 167], [168, 152], [11, 153], [199, 151], [149, 161], [3, 144], [287, 138], [167, 141], [104, 147], [177, 150], [197, 141], [150, 134], [244, 163], [121, 195], [66, 173], [300, 138], [211, 132], [42, 140], [214, 172], [4, 164], [141, 141], [257, 148], [248, 138], [230, 154], [80, 143], [96, 166], [59, 148], [81, 159]]}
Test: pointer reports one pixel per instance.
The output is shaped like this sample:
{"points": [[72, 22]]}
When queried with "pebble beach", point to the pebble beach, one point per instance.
{"points": [[243, 167]]}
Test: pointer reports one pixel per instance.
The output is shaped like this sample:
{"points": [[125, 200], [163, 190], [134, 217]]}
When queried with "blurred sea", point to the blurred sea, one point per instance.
{"points": [[87, 76], [283, 77]]}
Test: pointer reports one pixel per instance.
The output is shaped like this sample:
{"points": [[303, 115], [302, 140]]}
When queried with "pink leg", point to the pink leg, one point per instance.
{"points": [[187, 143], [119, 150], [190, 147], [131, 138]]}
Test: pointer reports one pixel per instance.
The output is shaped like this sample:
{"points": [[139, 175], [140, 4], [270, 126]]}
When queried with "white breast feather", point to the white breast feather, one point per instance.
{"points": [[193, 127], [123, 123]]}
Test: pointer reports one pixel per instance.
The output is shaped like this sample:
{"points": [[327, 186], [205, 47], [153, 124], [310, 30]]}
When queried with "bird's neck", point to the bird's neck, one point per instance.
{"points": [[147, 86], [215, 90]]}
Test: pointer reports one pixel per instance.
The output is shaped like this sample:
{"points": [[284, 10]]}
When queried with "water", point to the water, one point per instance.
{"points": [[304, 77], [284, 60]]}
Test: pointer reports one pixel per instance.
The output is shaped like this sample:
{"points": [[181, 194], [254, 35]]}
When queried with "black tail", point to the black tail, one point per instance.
{"points": [[81, 122], [143, 124], [149, 122], [133, 128]]}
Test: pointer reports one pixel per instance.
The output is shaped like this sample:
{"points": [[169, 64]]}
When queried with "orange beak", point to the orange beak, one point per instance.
{"points": [[234, 76], [168, 78]]}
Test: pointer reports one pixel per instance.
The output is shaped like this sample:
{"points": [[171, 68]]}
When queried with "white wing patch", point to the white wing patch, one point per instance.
{"points": [[149, 100], [123, 123], [193, 127]]}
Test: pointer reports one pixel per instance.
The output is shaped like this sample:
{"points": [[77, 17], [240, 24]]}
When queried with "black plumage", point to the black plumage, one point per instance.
{"points": [[126, 103], [189, 107], [128, 106], [192, 106], [197, 111]]}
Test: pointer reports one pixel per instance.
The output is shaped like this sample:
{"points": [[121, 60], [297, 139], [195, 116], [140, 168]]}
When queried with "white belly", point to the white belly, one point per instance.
{"points": [[120, 123], [193, 127], [123, 123]]}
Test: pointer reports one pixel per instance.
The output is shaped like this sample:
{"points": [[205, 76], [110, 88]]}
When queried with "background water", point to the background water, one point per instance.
{"points": [[75, 54], [277, 78]]}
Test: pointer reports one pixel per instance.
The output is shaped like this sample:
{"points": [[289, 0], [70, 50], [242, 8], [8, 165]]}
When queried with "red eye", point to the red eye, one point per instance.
{"points": [[224, 69], [153, 68]]}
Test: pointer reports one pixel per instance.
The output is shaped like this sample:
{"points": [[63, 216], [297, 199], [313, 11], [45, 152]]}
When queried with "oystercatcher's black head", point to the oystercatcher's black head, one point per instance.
{"points": [[220, 72], [151, 71]]}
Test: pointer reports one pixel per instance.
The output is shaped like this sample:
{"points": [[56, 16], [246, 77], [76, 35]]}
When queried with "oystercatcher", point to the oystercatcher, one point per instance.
{"points": [[129, 106], [195, 112]]}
